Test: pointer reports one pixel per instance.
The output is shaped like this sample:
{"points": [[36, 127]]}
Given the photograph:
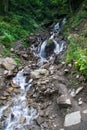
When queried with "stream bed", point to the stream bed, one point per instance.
{"points": [[19, 115]]}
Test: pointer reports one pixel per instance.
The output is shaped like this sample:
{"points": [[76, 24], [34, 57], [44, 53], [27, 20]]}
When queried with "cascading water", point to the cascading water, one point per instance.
{"points": [[19, 115], [59, 46], [42, 52]]}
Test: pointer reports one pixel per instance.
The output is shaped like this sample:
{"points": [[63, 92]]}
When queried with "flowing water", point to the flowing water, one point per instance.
{"points": [[59, 45], [19, 114]]}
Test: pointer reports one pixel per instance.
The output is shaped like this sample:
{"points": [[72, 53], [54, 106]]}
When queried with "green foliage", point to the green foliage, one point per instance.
{"points": [[50, 42], [6, 52], [78, 18], [24, 43], [77, 53], [17, 60], [7, 40], [81, 63]]}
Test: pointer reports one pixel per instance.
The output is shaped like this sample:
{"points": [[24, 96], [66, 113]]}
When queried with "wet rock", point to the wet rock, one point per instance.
{"points": [[14, 85], [49, 48], [16, 91], [64, 101], [6, 112], [24, 104], [38, 73], [72, 119], [79, 90], [11, 89], [9, 64], [40, 120], [22, 120]]}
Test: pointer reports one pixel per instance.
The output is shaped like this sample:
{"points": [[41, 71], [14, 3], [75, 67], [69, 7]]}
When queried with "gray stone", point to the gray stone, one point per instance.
{"points": [[22, 120], [66, 70], [2, 97], [64, 101], [85, 111], [9, 64], [1, 60], [72, 119], [12, 49], [40, 120], [79, 90], [38, 73], [25, 56]]}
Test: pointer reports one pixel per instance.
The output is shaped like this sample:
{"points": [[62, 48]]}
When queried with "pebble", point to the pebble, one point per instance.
{"points": [[66, 70], [41, 113], [11, 89], [2, 98], [22, 120]]}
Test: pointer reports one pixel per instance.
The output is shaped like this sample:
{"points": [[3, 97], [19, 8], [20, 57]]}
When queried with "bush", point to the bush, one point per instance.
{"points": [[81, 62], [77, 53], [7, 40]]}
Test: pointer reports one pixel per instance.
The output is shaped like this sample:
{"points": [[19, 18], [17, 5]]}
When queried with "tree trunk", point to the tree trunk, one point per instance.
{"points": [[70, 6], [4, 6]]}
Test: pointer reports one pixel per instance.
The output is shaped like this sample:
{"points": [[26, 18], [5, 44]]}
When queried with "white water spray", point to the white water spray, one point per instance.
{"points": [[20, 115]]}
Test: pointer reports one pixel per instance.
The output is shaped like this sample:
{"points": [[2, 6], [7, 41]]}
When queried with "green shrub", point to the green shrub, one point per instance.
{"points": [[17, 60], [77, 54], [6, 52], [7, 40], [81, 62]]}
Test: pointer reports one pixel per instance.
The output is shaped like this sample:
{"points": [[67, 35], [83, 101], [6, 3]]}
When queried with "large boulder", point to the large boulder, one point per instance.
{"points": [[49, 48], [38, 73], [9, 63], [64, 101], [72, 119]]}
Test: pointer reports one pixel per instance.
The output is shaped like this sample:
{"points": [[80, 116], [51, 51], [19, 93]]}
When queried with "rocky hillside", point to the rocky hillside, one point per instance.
{"points": [[45, 90]]}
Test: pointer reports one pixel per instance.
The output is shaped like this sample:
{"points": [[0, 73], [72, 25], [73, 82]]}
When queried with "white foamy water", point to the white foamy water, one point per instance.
{"points": [[42, 52], [20, 115], [59, 47]]}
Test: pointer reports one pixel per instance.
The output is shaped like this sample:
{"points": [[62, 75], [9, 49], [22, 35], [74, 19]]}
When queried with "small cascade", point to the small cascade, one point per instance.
{"points": [[42, 52], [57, 26], [19, 115], [59, 45]]}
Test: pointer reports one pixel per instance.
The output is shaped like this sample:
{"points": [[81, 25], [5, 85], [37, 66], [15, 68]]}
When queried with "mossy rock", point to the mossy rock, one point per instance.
{"points": [[49, 49]]}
